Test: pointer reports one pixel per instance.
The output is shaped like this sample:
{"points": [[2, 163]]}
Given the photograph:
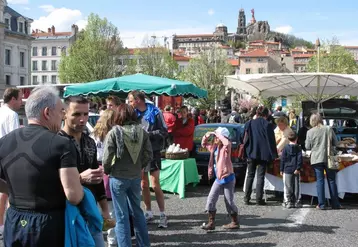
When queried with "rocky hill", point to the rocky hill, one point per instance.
{"points": [[261, 31]]}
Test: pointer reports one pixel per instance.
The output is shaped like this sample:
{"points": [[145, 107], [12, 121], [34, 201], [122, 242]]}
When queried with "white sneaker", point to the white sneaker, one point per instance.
{"points": [[163, 221], [148, 217], [1, 232]]}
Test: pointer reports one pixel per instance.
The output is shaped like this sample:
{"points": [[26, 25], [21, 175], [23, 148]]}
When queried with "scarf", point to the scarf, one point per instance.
{"points": [[149, 114]]}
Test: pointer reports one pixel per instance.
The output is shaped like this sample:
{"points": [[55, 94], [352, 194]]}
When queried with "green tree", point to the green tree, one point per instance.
{"points": [[268, 102], [154, 60], [333, 59], [94, 54], [207, 71], [237, 44], [289, 40]]}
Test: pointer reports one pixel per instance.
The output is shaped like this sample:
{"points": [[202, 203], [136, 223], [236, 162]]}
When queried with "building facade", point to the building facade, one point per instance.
{"points": [[15, 47], [47, 49], [261, 61], [354, 51]]}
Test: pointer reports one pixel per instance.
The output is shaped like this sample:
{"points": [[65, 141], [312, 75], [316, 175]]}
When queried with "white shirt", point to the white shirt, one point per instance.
{"points": [[9, 120], [100, 148]]}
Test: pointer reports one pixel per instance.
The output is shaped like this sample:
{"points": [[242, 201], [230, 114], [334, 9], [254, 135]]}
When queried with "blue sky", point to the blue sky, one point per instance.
{"points": [[139, 19]]}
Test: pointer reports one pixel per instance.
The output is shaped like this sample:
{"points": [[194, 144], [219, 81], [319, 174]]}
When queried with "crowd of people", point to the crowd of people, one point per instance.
{"points": [[46, 165]]}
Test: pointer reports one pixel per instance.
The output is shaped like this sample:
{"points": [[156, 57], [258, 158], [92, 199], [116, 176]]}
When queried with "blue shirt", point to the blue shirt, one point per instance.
{"points": [[226, 180]]}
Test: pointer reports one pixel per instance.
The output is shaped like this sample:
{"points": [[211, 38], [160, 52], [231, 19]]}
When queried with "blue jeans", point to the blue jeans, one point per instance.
{"points": [[128, 192], [98, 239], [331, 178]]}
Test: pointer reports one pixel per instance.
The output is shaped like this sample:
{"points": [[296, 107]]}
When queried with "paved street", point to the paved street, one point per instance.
{"points": [[261, 226]]}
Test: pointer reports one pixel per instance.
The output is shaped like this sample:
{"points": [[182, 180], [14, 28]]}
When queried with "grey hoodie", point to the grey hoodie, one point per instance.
{"points": [[127, 150]]}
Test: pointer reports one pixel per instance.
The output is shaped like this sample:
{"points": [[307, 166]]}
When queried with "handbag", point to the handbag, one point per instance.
{"points": [[241, 152], [333, 162], [242, 148]]}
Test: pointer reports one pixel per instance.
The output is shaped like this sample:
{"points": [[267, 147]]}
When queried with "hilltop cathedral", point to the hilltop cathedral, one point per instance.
{"points": [[193, 44]]}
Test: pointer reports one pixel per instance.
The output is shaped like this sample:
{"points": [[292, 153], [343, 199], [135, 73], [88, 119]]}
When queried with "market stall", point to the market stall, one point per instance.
{"points": [[175, 175], [347, 181], [150, 85], [319, 87]]}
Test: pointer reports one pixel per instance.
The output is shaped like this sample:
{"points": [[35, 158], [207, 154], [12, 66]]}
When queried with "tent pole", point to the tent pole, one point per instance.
{"points": [[318, 70]]}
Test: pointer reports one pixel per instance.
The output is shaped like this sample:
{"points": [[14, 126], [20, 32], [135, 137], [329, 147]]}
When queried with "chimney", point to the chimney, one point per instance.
{"points": [[49, 30], [53, 30]]}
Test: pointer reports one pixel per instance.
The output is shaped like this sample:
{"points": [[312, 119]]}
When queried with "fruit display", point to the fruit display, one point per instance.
{"points": [[347, 142], [307, 171]]}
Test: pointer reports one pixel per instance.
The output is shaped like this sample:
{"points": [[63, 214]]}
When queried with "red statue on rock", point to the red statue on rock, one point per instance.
{"points": [[253, 20]]}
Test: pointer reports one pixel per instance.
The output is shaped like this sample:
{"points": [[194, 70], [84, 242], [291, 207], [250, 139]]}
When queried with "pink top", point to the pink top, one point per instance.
{"points": [[223, 162]]}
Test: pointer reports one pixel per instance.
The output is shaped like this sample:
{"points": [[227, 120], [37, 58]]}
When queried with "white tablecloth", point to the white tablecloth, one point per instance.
{"points": [[347, 182]]}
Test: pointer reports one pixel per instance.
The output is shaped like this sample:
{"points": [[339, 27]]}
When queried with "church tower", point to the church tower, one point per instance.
{"points": [[241, 27]]}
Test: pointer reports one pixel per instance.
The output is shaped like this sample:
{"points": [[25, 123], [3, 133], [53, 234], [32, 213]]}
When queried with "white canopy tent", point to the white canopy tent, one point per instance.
{"points": [[318, 86]]}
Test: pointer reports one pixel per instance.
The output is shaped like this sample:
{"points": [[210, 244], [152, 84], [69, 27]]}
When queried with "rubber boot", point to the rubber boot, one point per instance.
{"points": [[234, 224], [211, 223]]}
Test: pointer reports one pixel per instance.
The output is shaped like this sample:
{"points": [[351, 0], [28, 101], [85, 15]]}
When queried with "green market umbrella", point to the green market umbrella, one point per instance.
{"points": [[145, 83]]}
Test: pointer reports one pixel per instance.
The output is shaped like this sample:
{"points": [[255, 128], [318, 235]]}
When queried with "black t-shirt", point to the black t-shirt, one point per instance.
{"points": [[87, 158], [30, 160]]}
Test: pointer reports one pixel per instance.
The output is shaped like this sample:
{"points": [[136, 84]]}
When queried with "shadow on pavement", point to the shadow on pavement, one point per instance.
{"points": [[230, 245], [194, 221], [249, 223], [206, 237]]}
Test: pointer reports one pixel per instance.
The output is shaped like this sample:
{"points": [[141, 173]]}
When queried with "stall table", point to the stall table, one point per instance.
{"points": [[346, 179], [176, 174]]}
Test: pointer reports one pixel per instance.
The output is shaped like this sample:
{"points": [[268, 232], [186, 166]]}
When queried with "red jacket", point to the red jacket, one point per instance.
{"points": [[169, 119], [184, 133], [201, 120]]}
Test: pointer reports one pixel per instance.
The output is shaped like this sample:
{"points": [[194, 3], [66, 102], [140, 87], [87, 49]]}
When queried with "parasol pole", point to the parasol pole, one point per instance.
{"points": [[318, 46]]}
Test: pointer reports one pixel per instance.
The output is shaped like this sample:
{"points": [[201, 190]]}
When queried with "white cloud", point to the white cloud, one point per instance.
{"points": [[18, 1], [211, 12], [61, 18], [47, 8], [349, 42], [284, 29], [27, 8], [134, 39]]}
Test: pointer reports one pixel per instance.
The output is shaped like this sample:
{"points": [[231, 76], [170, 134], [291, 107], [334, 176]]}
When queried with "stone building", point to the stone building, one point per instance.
{"points": [[193, 44], [301, 57], [354, 51], [15, 46], [47, 48], [261, 61]]}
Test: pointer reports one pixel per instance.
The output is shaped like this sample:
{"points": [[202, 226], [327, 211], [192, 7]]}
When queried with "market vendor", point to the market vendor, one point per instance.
{"points": [[183, 131], [281, 133]]}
